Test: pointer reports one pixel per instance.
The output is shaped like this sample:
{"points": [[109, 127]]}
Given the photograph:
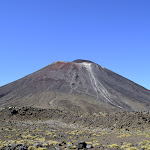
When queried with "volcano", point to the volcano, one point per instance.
{"points": [[80, 85]]}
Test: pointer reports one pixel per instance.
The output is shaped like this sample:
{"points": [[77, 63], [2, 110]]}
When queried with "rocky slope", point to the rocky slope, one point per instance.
{"points": [[80, 85]]}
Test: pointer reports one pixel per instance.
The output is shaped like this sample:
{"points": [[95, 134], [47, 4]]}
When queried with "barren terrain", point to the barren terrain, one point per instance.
{"points": [[32, 128], [74, 105]]}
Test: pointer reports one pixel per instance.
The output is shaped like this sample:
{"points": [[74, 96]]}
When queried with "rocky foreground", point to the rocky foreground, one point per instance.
{"points": [[31, 129]]}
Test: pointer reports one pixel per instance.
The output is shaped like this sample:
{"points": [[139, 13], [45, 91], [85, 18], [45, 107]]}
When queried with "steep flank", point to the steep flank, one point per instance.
{"points": [[81, 85]]}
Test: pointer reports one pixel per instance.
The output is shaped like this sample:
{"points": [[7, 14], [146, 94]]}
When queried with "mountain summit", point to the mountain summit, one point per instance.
{"points": [[81, 85]]}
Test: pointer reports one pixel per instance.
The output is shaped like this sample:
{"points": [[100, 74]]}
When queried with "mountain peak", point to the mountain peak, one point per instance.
{"points": [[82, 61], [78, 85]]}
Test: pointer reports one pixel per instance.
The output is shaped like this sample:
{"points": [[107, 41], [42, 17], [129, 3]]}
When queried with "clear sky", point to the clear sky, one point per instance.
{"points": [[113, 33]]}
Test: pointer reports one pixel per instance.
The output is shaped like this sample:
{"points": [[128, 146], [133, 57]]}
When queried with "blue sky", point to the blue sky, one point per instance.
{"points": [[113, 33]]}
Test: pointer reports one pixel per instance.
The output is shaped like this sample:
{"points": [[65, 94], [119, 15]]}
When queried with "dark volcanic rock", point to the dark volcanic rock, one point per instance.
{"points": [[82, 145], [15, 147], [80, 85], [14, 112]]}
